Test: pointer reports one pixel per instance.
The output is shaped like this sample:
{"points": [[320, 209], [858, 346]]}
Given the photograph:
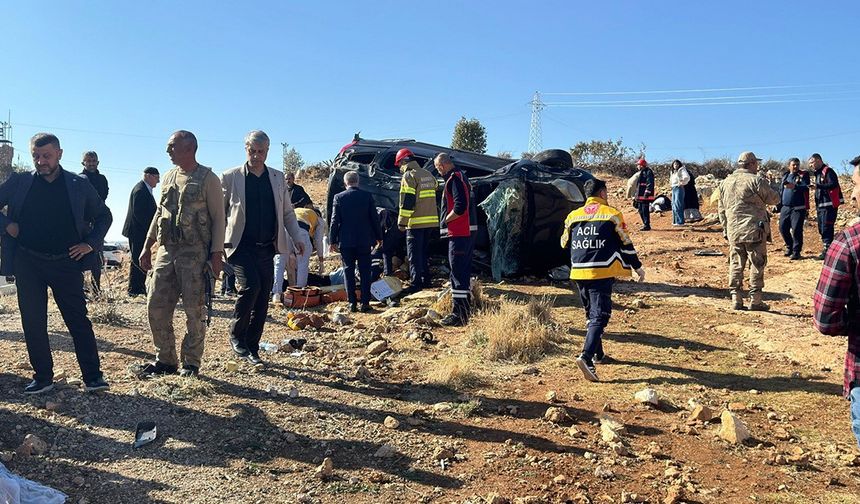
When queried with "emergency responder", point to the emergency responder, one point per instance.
{"points": [[744, 197], [645, 193], [458, 222], [828, 197], [600, 251], [188, 227], [418, 216], [312, 230], [793, 207]]}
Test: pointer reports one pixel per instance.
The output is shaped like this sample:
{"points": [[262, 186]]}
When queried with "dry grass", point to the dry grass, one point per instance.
{"points": [[455, 372], [178, 388], [8, 304], [106, 308], [444, 304], [518, 331]]}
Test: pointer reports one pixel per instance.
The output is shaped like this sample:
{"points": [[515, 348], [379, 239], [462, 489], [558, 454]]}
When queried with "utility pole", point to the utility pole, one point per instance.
{"points": [[535, 132], [6, 150]]}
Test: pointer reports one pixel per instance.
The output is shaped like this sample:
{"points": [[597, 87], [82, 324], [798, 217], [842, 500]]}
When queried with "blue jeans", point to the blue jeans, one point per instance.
{"points": [[855, 410], [596, 296], [678, 205]]}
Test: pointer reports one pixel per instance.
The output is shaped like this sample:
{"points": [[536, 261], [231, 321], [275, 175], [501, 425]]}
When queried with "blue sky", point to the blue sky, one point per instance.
{"points": [[119, 77]]}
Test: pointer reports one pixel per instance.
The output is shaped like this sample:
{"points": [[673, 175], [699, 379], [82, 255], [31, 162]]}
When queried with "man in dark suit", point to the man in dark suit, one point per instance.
{"points": [[53, 229], [354, 230], [141, 208], [90, 162]]}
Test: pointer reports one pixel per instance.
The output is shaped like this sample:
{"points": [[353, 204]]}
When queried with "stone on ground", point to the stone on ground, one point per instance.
{"points": [[732, 428]]}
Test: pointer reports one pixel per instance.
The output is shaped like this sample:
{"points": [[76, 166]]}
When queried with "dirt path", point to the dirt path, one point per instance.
{"points": [[244, 436]]}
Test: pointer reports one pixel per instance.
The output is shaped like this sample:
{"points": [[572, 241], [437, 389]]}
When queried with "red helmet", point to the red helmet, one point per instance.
{"points": [[401, 155], [642, 162]]}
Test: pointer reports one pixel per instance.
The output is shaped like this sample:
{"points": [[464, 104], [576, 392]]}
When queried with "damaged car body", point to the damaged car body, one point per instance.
{"points": [[521, 204]]}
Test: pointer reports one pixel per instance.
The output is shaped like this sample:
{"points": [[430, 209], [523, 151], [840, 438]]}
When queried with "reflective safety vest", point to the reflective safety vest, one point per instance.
{"points": [[418, 198], [467, 223], [308, 219], [599, 244], [184, 217]]}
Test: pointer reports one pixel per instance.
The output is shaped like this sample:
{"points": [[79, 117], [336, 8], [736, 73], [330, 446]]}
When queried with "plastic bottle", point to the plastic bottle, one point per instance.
{"points": [[269, 347]]}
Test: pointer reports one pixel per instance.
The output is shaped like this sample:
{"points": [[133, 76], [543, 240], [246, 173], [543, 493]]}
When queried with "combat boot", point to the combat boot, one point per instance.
{"points": [[737, 302], [757, 304]]}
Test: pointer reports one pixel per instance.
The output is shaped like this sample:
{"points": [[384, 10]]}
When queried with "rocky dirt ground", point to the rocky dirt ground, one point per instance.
{"points": [[355, 420]]}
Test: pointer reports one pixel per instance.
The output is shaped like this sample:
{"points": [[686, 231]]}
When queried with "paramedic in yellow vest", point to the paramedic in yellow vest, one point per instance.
{"points": [[311, 231], [418, 216], [188, 227], [600, 251]]}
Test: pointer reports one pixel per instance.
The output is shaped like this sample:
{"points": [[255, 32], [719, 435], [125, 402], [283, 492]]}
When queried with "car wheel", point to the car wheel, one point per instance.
{"points": [[554, 158]]}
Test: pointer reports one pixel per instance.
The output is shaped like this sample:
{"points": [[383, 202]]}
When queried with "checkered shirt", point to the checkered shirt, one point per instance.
{"points": [[836, 301]]}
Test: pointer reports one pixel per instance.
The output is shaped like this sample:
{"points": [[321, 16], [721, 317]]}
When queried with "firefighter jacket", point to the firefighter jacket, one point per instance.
{"points": [[457, 196], [645, 189], [418, 198], [827, 190], [744, 197], [599, 244]]}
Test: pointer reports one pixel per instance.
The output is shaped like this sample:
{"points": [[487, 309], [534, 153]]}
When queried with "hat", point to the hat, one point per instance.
{"points": [[747, 157], [855, 161], [642, 162], [149, 170]]}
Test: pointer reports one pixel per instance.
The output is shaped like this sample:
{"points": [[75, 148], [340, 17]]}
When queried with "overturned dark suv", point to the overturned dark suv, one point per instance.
{"points": [[521, 204]]}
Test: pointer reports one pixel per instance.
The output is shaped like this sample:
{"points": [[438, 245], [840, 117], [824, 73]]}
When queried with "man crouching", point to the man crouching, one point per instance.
{"points": [[600, 251]]}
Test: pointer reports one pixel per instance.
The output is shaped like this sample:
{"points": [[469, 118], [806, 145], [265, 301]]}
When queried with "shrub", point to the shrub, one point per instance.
{"points": [[518, 331]]}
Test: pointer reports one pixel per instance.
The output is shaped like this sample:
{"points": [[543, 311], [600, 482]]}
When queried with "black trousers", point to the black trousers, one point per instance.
{"points": [[826, 222], [33, 276], [255, 274], [418, 251], [596, 297], [350, 256], [791, 228], [645, 213], [460, 260], [136, 276]]}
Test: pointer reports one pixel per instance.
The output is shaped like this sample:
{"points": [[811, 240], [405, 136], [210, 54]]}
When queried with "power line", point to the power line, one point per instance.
{"points": [[701, 90], [761, 144], [698, 98], [703, 104]]}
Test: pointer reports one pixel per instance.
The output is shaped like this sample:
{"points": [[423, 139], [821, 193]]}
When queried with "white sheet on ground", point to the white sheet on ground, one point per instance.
{"points": [[17, 490]]}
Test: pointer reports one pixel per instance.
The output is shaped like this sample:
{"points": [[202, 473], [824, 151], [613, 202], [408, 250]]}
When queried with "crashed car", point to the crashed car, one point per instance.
{"points": [[521, 204]]}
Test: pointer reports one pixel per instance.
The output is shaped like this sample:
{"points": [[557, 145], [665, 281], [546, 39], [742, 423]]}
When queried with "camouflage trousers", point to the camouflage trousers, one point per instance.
{"points": [[175, 271], [739, 255]]}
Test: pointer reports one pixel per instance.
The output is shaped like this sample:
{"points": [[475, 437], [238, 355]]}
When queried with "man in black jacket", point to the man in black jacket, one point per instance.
{"points": [[354, 230], [54, 226], [298, 196], [793, 207], [141, 208], [90, 162]]}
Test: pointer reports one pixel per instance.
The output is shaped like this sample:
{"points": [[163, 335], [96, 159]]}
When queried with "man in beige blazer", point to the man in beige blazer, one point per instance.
{"points": [[259, 217]]}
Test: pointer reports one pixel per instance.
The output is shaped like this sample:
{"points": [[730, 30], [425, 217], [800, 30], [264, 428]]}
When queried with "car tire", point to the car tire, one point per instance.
{"points": [[558, 159]]}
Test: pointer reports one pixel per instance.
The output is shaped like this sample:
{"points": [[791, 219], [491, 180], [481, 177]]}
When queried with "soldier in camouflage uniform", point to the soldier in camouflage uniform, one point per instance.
{"points": [[744, 197], [188, 227]]}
